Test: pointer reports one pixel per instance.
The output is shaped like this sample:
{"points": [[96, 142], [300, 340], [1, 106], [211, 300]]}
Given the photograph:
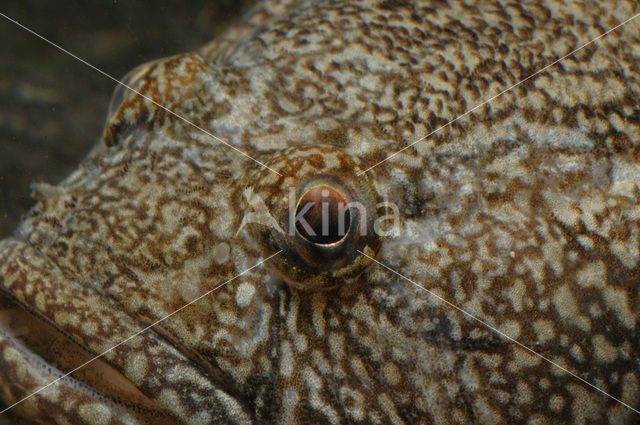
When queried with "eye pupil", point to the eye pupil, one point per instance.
{"points": [[323, 216]]}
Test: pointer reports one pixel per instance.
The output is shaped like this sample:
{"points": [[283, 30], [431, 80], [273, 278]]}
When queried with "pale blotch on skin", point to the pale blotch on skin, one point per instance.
{"points": [[95, 414], [245, 293], [136, 368], [604, 351], [221, 252]]}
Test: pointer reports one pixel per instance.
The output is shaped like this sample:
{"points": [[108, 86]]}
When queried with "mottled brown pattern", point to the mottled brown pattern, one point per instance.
{"points": [[524, 213]]}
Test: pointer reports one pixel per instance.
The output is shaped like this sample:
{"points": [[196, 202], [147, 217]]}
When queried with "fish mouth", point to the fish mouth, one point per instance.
{"points": [[47, 354], [50, 370]]}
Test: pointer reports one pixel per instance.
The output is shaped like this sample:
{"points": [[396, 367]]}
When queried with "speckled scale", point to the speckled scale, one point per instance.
{"points": [[524, 213]]}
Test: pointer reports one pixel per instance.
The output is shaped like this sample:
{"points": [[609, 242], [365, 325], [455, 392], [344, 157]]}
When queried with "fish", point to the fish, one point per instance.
{"points": [[488, 273]]}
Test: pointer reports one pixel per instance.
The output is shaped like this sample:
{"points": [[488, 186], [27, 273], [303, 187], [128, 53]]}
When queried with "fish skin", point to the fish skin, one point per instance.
{"points": [[524, 213]]}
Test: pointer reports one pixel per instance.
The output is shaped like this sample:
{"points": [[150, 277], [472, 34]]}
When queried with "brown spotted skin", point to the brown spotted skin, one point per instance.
{"points": [[524, 213]]}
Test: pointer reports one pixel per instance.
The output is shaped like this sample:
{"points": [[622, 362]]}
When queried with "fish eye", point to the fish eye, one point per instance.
{"points": [[320, 217], [328, 219]]}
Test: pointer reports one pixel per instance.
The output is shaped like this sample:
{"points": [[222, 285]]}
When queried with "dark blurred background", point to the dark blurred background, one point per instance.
{"points": [[52, 107]]}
